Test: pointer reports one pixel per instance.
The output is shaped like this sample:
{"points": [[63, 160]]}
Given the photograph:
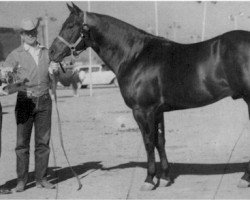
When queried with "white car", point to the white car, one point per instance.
{"points": [[100, 75]]}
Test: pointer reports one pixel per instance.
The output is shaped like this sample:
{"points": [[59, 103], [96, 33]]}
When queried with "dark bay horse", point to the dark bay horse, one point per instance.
{"points": [[157, 75]]}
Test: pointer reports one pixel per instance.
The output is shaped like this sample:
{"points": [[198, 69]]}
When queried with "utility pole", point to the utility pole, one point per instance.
{"points": [[156, 18], [41, 26], [90, 62], [204, 21], [205, 3], [46, 23], [46, 20]]}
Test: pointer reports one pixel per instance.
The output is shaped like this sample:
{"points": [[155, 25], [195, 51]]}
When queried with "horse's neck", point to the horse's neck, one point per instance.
{"points": [[117, 43]]}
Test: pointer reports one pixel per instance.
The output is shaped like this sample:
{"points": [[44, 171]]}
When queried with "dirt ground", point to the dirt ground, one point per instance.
{"points": [[105, 148]]}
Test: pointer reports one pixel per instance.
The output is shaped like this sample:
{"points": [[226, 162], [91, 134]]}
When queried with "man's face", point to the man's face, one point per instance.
{"points": [[30, 37]]}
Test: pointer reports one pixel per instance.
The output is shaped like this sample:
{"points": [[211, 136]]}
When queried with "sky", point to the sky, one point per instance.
{"points": [[185, 16]]}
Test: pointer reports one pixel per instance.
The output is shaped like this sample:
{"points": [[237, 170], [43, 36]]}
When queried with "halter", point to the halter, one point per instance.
{"points": [[72, 47]]}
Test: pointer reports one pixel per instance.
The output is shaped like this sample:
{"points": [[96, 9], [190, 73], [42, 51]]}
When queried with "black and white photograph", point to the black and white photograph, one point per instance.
{"points": [[124, 99]]}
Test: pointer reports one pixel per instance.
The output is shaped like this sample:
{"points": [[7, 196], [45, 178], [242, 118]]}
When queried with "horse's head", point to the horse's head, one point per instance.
{"points": [[74, 36]]}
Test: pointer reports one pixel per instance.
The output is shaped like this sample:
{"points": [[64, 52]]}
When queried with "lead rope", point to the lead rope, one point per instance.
{"points": [[55, 165], [60, 133], [230, 156]]}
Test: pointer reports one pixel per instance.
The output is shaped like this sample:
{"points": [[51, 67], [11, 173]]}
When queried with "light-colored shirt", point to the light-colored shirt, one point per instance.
{"points": [[34, 51]]}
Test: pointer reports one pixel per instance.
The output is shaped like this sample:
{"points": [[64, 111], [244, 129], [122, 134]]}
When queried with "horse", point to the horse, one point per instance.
{"points": [[157, 75]]}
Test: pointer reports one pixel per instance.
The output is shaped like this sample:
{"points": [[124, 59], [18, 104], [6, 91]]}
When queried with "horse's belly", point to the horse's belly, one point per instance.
{"points": [[197, 96]]}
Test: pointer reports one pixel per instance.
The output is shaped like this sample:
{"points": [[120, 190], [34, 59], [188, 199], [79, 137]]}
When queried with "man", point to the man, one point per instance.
{"points": [[34, 106]]}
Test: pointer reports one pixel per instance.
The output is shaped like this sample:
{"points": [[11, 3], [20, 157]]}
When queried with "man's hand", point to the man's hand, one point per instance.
{"points": [[53, 67]]}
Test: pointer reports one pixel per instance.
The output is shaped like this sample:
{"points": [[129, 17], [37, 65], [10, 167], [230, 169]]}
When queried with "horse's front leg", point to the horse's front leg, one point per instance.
{"points": [[160, 146], [146, 123]]}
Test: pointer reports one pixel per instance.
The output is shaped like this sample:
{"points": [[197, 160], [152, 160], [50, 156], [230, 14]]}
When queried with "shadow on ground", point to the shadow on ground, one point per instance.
{"points": [[178, 169], [57, 174]]}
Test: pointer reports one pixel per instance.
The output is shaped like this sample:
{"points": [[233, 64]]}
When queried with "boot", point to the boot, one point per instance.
{"points": [[20, 186], [45, 184]]}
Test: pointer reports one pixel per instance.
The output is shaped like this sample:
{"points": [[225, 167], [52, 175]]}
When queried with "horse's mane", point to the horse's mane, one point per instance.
{"points": [[122, 25], [106, 23], [126, 37]]}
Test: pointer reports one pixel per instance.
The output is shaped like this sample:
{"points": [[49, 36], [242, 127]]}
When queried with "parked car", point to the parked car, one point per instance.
{"points": [[100, 75]]}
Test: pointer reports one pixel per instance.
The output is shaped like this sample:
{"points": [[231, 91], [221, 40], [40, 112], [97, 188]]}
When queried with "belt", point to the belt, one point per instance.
{"points": [[30, 95]]}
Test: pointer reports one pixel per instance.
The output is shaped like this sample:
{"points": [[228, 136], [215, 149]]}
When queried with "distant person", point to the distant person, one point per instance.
{"points": [[33, 107]]}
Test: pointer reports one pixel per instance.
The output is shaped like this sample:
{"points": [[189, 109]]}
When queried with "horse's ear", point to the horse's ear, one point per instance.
{"points": [[76, 8], [70, 8]]}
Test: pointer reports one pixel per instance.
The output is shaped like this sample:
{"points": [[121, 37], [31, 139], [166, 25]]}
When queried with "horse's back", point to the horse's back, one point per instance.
{"points": [[212, 70]]}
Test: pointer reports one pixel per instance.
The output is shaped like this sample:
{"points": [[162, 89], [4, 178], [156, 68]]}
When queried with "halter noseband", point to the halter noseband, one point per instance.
{"points": [[73, 46]]}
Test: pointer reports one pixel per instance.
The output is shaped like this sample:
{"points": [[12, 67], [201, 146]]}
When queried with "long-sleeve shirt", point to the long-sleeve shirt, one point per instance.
{"points": [[36, 71]]}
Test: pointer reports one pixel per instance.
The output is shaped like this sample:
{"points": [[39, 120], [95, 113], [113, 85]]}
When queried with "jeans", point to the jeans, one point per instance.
{"points": [[29, 111]]}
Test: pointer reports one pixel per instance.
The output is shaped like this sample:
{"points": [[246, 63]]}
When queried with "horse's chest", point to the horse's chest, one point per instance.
{"points": [[127, 92]]}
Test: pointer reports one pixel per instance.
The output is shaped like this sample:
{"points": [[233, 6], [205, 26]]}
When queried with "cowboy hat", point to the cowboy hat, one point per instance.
{"points": [[27, 24]]}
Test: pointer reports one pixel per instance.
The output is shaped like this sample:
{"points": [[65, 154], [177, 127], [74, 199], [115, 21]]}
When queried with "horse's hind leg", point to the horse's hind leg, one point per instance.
{"points": [[146, 123], [160, 145], [245, 179]]}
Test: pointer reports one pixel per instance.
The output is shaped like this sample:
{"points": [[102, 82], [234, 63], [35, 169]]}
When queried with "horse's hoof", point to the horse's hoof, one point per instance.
{"points": [[164, 182], [243, 184], [147, 187]]}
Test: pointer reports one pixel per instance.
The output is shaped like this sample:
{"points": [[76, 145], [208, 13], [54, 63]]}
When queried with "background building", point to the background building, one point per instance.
{"points": [[9, 40]]}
